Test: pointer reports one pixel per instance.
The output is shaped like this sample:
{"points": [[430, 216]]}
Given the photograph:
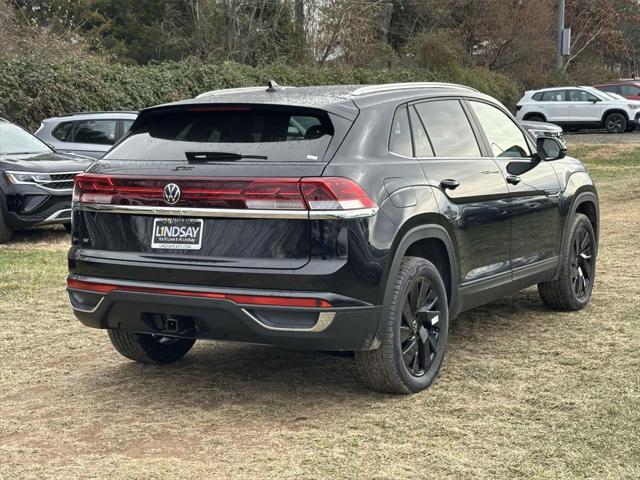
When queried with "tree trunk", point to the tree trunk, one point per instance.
{"points": [[230, 24]]}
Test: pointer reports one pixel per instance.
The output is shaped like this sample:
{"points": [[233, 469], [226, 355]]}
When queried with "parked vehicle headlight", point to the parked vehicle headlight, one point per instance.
{"points": [[17, 177], [633, 106]]}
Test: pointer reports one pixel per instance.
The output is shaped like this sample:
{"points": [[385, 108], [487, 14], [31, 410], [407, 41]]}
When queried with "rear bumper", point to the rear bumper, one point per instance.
{"points": [[348, 324]]}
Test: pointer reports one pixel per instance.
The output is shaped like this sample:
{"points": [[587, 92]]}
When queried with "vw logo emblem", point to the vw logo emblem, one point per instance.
{"points": [[171, 193]]}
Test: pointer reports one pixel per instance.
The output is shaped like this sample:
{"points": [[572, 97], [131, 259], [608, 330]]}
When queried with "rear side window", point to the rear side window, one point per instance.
{"points": [[629, 90], [420, 139], [448, 129], [400, 141], [260, 132], [63, 131], [553, 96], [100, 132], [538, 96]]}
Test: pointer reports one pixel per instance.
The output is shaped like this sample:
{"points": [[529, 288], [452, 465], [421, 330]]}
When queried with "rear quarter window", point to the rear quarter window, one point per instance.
{"points": [[63, 131]]}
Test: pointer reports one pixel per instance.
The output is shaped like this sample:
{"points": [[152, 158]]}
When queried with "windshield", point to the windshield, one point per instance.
{"points": [[228, 132], [14, 140]]}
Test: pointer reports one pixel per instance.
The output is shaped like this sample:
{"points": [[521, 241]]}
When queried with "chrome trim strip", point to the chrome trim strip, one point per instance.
{"points": [[42, 185], [324, 320], [55, 217], [230, 212], [389, 87]]}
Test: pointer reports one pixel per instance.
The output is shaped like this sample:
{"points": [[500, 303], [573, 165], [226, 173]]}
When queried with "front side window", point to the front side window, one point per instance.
{"points": [[448, 129], [505, 138], [554, 96], [400, 139], [100, 132], [14, 140], [581, 96]]}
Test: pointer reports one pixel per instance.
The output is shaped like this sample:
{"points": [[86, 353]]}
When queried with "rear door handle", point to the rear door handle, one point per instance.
{"points": [[449, 184], [513, 179]]}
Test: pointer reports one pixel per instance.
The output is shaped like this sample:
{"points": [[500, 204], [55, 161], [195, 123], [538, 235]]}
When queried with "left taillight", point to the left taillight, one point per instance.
{"points": [[316, 193]]}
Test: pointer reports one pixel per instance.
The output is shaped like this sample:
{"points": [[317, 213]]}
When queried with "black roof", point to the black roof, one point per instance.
{"points": [[343, 100]]}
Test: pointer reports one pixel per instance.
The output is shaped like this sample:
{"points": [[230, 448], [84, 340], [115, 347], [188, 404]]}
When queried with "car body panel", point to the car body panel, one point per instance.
{"points": [[498, 238]]}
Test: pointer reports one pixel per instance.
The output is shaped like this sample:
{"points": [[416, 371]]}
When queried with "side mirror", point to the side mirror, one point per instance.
{"points": [[595, 100], [549, 148]]}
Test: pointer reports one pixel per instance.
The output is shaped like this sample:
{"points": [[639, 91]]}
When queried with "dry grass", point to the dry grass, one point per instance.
{"points": [[524, 392]]}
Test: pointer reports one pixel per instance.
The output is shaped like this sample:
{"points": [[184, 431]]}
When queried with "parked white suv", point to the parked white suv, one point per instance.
{"points": [[579, 107]]}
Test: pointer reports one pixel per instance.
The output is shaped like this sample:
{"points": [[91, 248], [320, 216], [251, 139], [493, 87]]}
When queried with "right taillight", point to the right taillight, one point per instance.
{"points": [[316, 193]]}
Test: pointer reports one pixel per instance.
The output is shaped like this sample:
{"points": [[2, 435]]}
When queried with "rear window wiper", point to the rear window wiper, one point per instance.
{"points": [[197, 157]]}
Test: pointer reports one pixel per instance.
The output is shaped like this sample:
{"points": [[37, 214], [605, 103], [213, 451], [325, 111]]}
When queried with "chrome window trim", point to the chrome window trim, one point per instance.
{"points": [[230, 212]]}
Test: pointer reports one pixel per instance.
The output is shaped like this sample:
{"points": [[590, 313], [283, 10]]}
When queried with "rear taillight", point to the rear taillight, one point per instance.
{"points": [[321, 193]]}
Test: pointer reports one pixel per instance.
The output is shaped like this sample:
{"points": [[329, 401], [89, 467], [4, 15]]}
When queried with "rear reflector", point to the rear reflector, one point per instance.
{"points": [[264, 300], [321, 193]]}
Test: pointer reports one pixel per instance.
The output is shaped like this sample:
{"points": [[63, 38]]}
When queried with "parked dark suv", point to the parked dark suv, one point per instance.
{"points": [[35, 182], [329, 218]]}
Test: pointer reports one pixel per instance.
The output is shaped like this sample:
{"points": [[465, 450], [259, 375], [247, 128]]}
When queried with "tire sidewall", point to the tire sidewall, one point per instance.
{"points": [[428, 270], [622, 117], [579, 221]]}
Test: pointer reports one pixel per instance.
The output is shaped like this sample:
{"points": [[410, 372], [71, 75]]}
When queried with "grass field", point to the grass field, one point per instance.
{"points": [[524, 392]]}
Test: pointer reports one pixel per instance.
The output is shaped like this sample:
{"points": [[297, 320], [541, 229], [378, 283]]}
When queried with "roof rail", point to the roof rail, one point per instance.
{"points": [[97, 113], [223, 91], [389, 87]]}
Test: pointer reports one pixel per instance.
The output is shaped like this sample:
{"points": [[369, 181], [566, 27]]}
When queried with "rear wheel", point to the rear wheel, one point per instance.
{"points": [[153, 349], [414, 331], [632, 128], [5, 231], [67, 227], [572, 289], [615, 123]]}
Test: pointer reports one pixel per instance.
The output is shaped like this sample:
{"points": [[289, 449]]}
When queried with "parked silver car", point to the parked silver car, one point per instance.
{"points": [[86, 133]]}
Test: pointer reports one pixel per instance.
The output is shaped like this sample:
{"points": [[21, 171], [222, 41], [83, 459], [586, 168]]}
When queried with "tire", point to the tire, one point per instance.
{"points": [[5, 231], [615, 123], [149, 348], [572, 289], [535, 118], [418, 288], [631, 128], [67, 227]]}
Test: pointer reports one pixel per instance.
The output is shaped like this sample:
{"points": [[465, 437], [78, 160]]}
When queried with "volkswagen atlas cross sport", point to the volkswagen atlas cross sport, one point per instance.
{"points": [[336, 218]]}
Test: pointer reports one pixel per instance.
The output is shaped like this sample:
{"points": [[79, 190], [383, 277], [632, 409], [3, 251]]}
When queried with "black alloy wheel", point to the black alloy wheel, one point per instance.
{"points": [[582, 266], [419, 327], [615, 123]]}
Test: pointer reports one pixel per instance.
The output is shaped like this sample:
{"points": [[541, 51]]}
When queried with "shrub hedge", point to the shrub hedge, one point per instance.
{"points": [[33, 88]]}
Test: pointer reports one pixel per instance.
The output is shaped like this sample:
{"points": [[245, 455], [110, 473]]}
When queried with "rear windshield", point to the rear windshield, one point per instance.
{"points": [[257, 132]]}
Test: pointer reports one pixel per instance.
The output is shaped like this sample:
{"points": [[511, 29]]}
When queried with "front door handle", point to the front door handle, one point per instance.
{"points": [[513, 179], [449, 184]]}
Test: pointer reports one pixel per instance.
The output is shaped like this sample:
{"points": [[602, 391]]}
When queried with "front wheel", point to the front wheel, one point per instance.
{"points": [[615, 123], [153, 349], [415, 328], [5, 231], [572, 289]]}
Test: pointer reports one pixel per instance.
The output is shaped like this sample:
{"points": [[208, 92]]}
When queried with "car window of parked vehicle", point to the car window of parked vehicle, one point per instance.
{"points": [[448, 128], [63, 131], [126, 126], [14, 140], [101, 132], [581, 96], [610, 88], [422, 145], [505, 138], [400, 138], [630, 90], [268, 132], [553, 96]]}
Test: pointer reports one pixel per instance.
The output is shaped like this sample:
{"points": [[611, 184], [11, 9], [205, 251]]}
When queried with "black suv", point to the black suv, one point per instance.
{"points": [[336, 218], [35, 182]]}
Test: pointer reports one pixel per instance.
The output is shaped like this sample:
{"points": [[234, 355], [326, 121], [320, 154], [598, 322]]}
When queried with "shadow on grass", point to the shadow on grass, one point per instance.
{"points": [[39, 235], [281, 382]]}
